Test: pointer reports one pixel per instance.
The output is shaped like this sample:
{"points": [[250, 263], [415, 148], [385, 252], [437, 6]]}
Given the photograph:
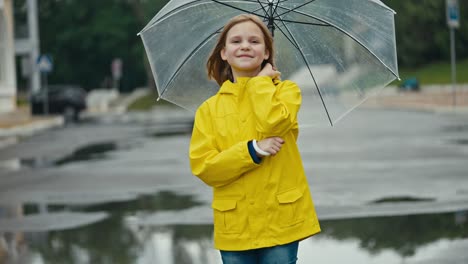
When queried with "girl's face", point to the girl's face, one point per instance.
{"points": [[244, 49]]}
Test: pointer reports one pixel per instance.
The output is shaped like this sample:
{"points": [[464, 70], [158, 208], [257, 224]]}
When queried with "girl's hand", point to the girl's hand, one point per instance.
{"points": [[270, 71], [271, 145]]}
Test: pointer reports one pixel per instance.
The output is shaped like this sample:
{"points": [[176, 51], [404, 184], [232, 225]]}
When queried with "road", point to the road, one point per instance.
{"points": [[355, 169], [370, 155]]}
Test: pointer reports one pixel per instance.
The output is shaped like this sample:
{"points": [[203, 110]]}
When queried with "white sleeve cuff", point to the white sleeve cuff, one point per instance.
{"points": [[258, 149]]}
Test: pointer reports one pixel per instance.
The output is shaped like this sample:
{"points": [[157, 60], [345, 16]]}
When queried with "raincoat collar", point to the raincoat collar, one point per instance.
{"points": [[235, 88], [238, 87]]}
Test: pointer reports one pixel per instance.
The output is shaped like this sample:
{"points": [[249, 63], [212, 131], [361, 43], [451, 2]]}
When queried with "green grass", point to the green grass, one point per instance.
{"points": [[22, 99], [437, 73], [146, 102]]}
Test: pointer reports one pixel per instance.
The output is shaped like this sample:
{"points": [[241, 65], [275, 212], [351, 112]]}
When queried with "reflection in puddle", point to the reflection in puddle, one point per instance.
{"points": [[172, 130], [400, 199], [89, 153], [18, 164], [463, 141], [109, 241], [10, 165], [455, 128], [401, 234], [118, 239], [164, 200]]}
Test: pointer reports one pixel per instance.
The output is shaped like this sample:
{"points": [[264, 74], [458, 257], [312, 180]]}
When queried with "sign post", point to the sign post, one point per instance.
{"points": [[116, 68], [453, 22], [45, 65]]}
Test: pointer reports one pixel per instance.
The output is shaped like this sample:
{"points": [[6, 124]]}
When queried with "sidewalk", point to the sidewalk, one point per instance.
{"points": [[21, 123], [431, 98]]}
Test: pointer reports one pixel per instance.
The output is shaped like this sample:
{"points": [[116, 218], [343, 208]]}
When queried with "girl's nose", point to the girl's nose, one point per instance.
{"points": [[245, 45]]}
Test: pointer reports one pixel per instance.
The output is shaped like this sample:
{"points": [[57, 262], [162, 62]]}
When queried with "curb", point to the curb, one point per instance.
{"points": [[117, 107], [32, 128], [127, 100], [38, 125]]}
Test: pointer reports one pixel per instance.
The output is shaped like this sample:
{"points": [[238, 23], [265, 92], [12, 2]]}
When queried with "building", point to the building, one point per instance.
{"points": [[7, 58]]}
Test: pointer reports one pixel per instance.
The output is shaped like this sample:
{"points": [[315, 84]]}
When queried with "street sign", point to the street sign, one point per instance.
{"points": [[453, 14], [453, 22], [44, 62]]}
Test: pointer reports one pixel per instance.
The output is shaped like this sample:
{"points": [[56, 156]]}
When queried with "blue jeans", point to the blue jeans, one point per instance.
{"points": [[283, 254]]}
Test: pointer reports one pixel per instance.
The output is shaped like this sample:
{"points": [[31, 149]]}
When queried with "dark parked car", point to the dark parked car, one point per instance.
{"points": [[68, 100]]}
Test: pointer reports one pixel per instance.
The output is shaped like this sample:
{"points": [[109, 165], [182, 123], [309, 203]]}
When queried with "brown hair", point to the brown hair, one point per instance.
{"points": [[218, 69]]}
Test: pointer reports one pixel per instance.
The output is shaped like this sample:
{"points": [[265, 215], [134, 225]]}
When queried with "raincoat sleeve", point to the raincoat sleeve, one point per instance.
{"points": [[213, 166], [276, 106]]}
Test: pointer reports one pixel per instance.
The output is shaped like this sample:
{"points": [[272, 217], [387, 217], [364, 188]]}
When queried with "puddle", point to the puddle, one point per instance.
{"points": [[171, 130], [93, 152], [401, 199], [88, 153], [456, 128], [164, 200], [462, 141], [143, 204], [111, 240], [35, 163], [18, 164], [398, 239], [401, 234]]}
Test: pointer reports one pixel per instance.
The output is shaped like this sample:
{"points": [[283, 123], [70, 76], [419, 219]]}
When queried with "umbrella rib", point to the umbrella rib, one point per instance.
{"points": [[287, 37], [191, 54], [186, 59], [305, 23], [264, 10], [274, 10], [294, 9], [310, 71], [342, 31], [240, 9], [276, 6], [152, 22]]}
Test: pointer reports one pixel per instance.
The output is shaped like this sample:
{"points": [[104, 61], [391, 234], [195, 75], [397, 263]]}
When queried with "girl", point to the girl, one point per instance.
{"points": [[244, 146]]}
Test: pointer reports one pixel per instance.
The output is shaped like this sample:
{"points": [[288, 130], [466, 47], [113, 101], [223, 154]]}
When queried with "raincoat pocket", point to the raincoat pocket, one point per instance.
{"points": [[225, 216], [290, 208]]}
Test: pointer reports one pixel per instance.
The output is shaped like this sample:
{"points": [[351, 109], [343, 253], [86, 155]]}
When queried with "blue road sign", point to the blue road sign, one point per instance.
{"points": [[45, 64], [453, 14]]}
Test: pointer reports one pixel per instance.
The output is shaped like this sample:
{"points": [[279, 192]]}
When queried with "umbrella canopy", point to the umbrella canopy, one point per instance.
{"points": [[338, 51]]}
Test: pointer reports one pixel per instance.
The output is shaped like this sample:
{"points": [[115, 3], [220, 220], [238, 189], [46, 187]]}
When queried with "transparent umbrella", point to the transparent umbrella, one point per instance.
{"points": [[338, 51]]}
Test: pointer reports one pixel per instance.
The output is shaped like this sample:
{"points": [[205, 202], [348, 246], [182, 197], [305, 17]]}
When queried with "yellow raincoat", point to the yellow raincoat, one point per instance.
{"points": [[255, 205]]}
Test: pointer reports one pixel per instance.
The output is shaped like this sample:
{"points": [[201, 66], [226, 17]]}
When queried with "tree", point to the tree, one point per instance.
{"points": [[84, 36], [422, 34]]}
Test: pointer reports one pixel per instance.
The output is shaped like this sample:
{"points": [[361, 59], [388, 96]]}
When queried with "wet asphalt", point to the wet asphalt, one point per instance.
{"points": [[373, 163]]}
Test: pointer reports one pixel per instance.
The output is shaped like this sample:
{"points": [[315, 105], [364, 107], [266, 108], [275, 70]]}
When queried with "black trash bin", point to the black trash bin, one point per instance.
{"points": [[410, 84]]}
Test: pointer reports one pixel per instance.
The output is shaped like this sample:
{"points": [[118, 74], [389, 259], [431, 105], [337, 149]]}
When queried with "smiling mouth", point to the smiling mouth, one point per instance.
{"points": [[245, 56]]}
